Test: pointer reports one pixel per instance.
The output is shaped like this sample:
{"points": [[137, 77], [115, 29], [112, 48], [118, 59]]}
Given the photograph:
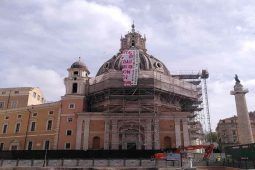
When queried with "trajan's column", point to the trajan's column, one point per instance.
{"points": [[243, 120]]}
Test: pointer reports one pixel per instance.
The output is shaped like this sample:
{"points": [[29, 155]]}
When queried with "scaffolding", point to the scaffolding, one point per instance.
{"points": [[203, 117], [155, 93]]}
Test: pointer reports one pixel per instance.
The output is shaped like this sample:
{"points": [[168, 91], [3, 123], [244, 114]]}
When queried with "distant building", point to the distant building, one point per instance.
{"points": [[20, 97], [227, 130], [102, 113]]}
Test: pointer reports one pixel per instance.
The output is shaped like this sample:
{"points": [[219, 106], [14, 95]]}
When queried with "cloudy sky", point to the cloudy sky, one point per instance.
{"points": [[40, 39]]}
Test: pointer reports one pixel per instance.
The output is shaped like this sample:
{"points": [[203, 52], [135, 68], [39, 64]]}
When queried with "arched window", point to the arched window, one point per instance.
{"points": [[76, 73], [96, 143], [133, 43], [75, 88], [167, 142]]}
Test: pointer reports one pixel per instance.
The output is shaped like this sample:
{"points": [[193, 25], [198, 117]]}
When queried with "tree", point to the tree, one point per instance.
{"points": [[211, 137]]}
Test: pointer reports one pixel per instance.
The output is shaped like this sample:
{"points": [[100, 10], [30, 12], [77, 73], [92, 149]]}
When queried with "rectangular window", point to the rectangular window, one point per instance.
{"points": [[16, 92], [19, 116], [67, 145], [30, 145], [33, 126], [5, 126], [69, 119], [51, 112], [6, 117], [46, 145], [1, 146], [71, 106], [34, 114], [17, 129], [1, 105], [49, 125], [68, 132], [13, 104]]}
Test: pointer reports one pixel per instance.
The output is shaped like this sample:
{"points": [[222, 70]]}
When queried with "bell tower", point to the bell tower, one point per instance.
{"points": [[77, 80], [73, 102]]}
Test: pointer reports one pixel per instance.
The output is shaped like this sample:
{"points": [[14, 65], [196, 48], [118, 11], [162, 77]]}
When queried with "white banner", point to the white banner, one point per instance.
{"points": [[130, 62]]}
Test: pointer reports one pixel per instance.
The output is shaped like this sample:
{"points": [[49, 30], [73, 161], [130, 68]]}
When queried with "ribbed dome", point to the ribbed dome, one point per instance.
{"points": [[147, 62]]}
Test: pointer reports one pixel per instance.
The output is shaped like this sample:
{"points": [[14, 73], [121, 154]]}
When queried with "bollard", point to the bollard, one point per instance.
{"points": [[93, 162], [1, 164], [17, 162], [32, 162], [77, 162], [108, 162], [62, 162]]}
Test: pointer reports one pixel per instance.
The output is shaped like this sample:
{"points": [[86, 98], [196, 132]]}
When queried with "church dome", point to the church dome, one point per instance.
{"points": [[147, 63], [134, 41]]}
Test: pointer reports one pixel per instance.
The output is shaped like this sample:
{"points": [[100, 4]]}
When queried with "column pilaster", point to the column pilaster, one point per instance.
{"points": [[115, 135], [177, 132], [86, 135], [156, 134], [148, 136], [106, 134], [186, 133]]}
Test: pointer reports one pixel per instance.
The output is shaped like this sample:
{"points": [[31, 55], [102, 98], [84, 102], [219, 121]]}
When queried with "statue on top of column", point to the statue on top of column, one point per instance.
{"points": [[237, 79]]}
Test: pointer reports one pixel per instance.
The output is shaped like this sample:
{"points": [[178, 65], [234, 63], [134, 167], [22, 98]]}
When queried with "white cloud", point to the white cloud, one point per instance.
{"points": [[49, 81], [248, 46]]}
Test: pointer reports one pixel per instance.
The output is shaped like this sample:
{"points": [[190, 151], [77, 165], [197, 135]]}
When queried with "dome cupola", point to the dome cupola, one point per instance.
{"points": [[79, 65], [133, 39]]}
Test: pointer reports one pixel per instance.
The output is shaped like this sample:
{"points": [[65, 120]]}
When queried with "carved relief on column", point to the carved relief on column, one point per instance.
{"points": [[148, 137], [185, 133], [177, 132], [115, 135], [86, 134], [106, 134], [156, 134]]}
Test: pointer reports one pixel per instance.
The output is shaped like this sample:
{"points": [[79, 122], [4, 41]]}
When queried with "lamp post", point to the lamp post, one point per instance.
{"points": [[45, 156]]}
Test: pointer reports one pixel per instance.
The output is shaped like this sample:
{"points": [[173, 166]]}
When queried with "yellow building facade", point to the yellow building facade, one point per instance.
{"points": [[30, 128]]}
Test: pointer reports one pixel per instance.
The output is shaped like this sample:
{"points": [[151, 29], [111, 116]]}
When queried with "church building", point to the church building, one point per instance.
{"points": [[133, 102]]}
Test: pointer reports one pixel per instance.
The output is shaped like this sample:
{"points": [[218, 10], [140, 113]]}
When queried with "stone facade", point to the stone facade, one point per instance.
{"points": [[227, 130]]}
